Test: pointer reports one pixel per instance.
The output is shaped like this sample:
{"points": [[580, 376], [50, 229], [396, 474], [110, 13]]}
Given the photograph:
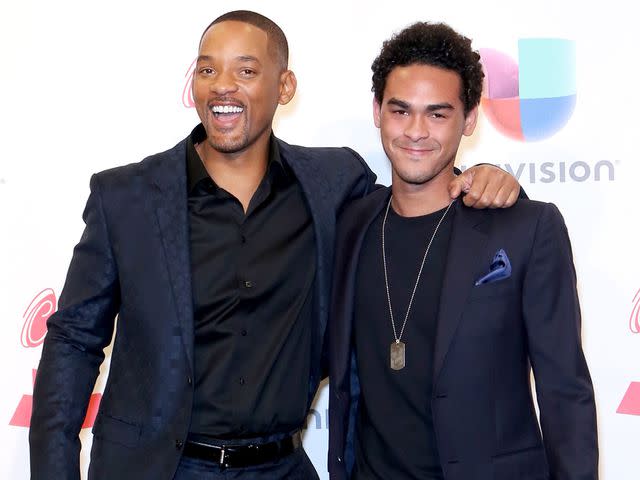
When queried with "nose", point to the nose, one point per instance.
{"points": [[223, 83], [417, 128]]}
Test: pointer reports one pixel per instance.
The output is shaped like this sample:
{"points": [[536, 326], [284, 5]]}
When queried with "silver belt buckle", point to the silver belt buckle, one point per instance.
{"points": [[222, 457]]}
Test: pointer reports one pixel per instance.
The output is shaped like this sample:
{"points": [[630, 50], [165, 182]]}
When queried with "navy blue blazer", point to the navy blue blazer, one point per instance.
{"points": [[133, 262], [488, 339]]}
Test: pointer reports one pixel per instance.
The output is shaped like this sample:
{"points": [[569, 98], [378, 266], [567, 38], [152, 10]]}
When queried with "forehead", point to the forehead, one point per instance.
{"points": [[423, 84], [234, 38]]}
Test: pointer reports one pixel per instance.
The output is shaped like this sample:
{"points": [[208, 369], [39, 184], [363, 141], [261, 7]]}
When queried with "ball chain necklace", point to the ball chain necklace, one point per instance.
{"points": [[397, 351]]}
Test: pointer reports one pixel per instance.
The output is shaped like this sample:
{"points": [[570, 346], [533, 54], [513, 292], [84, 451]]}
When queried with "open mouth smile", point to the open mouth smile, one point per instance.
{"points": [[226, 109]]}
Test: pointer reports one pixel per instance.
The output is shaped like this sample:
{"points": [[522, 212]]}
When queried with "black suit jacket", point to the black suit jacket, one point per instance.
{"points": [[488, 337], [133, 261]]}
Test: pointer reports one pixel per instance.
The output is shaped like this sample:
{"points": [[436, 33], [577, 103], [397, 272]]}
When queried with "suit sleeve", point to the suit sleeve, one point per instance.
{"points": [[360, 184], [563, 384], [73, 349], [366, 181]]}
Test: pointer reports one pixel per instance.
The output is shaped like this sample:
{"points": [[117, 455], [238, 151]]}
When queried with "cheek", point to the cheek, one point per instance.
{"points": [[451, 138], [263, 101], [389, 132], [388, 127], [199, 90]]}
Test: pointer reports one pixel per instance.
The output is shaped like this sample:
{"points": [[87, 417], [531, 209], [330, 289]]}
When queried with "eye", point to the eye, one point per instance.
{"points": [[206, 71], [399, 112], [437, 115], [247, 72]]}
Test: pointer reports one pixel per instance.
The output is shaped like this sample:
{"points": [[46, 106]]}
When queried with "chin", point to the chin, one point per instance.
{"points": [[227, 144], [415, 178]]}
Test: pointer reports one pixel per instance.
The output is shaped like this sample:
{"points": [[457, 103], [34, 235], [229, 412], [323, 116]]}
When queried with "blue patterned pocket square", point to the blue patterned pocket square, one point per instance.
{"points": [[500, 268]]}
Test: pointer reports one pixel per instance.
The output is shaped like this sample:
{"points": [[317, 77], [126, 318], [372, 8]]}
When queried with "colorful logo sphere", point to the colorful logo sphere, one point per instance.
{"points": [[534, 98]]}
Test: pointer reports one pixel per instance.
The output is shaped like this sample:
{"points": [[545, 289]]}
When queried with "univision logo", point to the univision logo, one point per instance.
{"points": [[534, 98]]}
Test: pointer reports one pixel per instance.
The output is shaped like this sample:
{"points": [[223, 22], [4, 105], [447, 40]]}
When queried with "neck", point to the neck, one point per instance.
{"points": [[411, 200], [239, 173]]}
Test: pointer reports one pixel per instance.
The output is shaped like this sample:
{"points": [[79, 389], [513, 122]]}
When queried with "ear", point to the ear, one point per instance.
{"points": [[470, 122], [288, 85], [376, 112]]}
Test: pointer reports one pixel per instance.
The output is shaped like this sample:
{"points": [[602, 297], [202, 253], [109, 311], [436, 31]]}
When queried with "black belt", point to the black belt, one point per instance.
{"points": [[239, 456]]}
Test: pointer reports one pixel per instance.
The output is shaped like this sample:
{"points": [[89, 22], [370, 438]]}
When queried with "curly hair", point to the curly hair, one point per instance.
{"points": [[435, 44]]}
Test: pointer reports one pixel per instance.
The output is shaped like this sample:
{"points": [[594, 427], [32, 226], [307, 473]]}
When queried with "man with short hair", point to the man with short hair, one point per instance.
{"points": [[216, 257], [440, 311]]}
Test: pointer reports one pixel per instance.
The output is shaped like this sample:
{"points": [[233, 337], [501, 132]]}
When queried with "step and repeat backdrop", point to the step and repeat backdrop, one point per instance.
{"points": [[91, 85]]}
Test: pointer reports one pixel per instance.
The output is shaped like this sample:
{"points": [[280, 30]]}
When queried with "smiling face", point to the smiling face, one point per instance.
{"points": [[237, 86], [421, 121]]}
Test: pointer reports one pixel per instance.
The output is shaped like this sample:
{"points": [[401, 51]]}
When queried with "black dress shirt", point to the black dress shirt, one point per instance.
{"points": [[252, 281], [395, 434]]}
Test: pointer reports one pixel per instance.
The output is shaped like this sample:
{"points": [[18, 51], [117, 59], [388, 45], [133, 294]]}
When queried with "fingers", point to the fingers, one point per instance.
{"points": [[460, 184], [513, 197], [492, 188]]}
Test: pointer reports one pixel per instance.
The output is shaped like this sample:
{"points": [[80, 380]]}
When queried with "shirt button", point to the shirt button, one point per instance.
{"points": [[243, 332], [248, 283], [243, 239], [241, 381], [179, 444]]}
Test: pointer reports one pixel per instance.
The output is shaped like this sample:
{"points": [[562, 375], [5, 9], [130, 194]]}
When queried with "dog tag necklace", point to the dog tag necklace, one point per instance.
{"points": [[397, 350]]}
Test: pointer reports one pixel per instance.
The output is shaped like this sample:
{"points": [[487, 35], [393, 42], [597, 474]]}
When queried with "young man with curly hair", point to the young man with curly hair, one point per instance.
{"points": [[440, 311]]}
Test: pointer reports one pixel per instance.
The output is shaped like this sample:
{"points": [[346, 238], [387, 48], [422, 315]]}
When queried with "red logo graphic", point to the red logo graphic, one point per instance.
{"points": [[33, 332], [22, 415], [187, 94], [630, 404], [634, 318], [36, 315]]}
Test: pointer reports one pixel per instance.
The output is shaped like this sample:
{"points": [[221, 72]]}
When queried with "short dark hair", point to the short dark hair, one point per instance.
{"points": [[278, 45], [435, 44]]}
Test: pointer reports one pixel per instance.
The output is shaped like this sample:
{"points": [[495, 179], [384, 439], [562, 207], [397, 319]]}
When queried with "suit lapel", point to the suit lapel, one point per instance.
{"points": [[323, 218], [310, 181], [169, 177], [353, 228], [468, 239]]}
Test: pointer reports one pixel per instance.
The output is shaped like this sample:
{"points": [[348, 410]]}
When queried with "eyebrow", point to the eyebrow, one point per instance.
{"points": [[241, 58], [429, 108]]}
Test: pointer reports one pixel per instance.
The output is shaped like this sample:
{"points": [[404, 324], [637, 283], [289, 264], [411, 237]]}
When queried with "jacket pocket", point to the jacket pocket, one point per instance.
{"points": [[526, 464], [499, 288], [116, 430]]}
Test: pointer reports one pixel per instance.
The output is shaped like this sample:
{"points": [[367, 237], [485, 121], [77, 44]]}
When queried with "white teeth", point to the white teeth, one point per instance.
{"points": [[226, 109]]}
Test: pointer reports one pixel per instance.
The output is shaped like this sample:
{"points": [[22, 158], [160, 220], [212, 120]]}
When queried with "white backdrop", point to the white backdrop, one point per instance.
{"points": [[90, 85]]}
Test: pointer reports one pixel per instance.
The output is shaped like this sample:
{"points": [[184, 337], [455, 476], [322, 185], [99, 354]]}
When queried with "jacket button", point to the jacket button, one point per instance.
{"points": [[189, 381], [179, 444], [339, 459]]}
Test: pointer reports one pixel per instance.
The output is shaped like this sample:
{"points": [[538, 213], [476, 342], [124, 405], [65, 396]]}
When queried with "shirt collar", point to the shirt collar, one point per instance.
{"points": [[276, 168]]}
